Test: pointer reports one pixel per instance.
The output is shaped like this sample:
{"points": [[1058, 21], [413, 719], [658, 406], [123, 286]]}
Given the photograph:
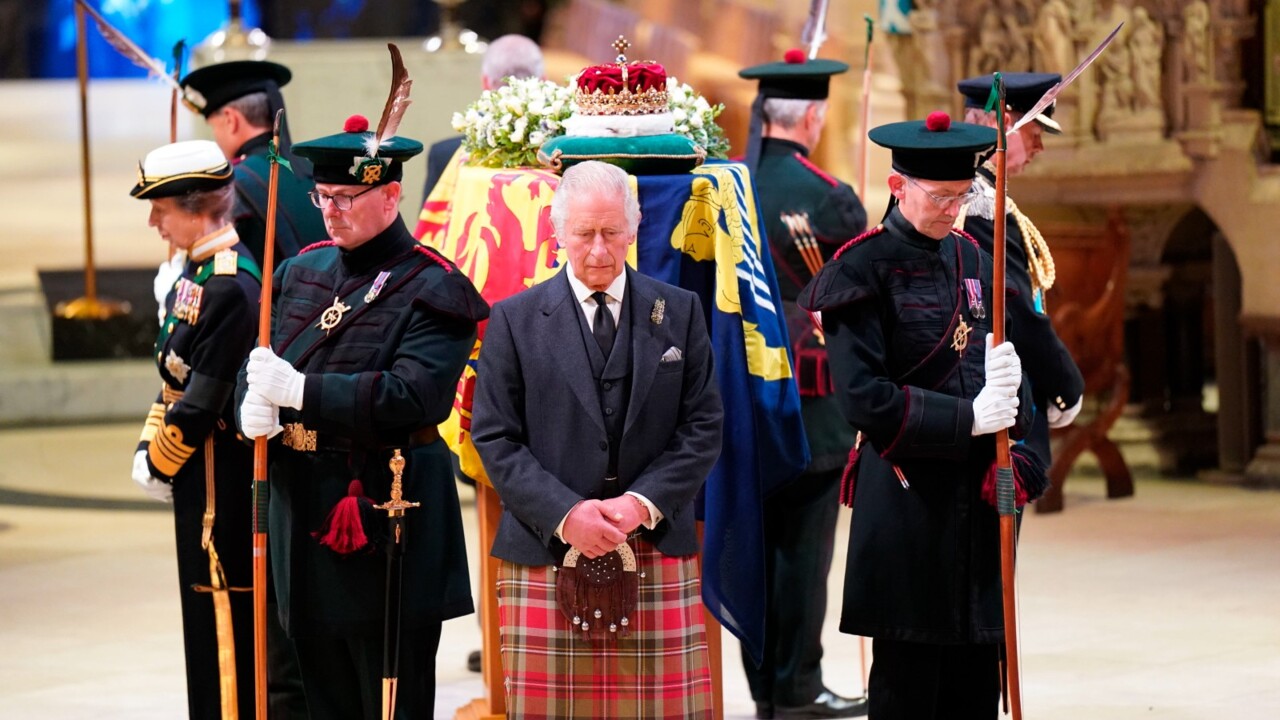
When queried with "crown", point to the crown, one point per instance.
{"points": [[622, 87]]}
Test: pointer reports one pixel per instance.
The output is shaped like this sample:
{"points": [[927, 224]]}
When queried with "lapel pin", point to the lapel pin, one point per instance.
{"points": [[659, 308]]}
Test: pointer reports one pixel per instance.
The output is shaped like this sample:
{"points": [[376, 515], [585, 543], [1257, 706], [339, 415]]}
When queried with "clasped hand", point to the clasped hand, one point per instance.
{"points": [[596, 527]]}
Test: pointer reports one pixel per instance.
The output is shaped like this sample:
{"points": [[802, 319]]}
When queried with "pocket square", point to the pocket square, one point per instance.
{"points": [[671, 355]]}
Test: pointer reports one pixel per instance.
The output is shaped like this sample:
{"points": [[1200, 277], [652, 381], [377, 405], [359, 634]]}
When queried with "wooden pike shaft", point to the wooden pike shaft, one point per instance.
{"points": [[260, 487], [82, 73], [1004, 462]]}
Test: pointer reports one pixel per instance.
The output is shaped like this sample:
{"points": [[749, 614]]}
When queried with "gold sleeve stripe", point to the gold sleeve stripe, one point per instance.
{"points": [[167, 452], [155, 419]]}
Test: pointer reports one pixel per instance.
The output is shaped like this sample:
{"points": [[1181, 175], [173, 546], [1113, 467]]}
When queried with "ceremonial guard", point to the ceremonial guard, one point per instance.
{"points": [[189, 453], [808, 215], [370, 334], [1056, 384], [239, 101], [905, 308]]}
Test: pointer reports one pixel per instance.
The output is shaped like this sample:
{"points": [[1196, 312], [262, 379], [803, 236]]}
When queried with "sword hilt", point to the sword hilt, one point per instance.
{"points": [[396, 506]]}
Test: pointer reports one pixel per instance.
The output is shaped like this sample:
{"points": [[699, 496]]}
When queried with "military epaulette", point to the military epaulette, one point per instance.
{"points": [[433, 256], [317, 246], [224, 262], [807, 163], [870, 233], [227, 262], [984, 205]]}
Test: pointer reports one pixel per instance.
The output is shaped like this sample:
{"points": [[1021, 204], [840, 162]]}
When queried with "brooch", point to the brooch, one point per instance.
{"points": [[659, 308]]}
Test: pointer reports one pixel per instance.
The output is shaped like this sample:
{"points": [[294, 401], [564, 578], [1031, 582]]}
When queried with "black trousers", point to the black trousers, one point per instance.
{"points": [[799, 535], [917, 681], [342, 676], [232, 536]]}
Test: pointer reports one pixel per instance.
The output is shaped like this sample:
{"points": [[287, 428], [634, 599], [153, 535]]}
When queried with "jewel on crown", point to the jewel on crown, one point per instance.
{"points": [[622, 87]]}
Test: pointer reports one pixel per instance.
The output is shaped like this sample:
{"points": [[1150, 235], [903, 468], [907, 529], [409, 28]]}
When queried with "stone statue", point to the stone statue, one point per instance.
{"points": [[1053, 49], [988, 55], [1115, 66], [1146, 44], [1195, 42], [1017, 41]]}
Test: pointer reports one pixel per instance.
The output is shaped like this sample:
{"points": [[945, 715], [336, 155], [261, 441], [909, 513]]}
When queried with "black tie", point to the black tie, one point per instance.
{"points": [[603, 328]]}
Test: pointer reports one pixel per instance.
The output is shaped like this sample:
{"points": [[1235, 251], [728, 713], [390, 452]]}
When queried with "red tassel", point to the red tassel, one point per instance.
{"points": [[989, 487], [849, 479], [343, 530]]}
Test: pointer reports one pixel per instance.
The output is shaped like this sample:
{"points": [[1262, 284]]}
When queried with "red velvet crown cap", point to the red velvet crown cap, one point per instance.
{"points": [[640, 77]]}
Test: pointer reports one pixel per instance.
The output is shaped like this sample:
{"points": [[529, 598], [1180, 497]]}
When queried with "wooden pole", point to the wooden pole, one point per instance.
{"points": [[260, 487], [88, 307], [1004, 462]]}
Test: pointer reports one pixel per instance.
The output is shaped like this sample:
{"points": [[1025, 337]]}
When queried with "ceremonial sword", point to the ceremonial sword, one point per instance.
{"points": [[395, 508]]}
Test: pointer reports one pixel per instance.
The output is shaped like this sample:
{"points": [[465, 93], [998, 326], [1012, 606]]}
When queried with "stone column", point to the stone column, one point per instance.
{"points": [[1236, 358], [1264, 469]]}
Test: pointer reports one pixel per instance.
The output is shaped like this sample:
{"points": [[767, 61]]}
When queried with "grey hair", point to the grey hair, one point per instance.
{"points": [[214, 204], [256, 108], [788, 112], [594, 178], [511, 56]]}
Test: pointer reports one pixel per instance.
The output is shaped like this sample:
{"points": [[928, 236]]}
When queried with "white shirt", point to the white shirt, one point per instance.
{"points": [[588, 303], [614, 305]]}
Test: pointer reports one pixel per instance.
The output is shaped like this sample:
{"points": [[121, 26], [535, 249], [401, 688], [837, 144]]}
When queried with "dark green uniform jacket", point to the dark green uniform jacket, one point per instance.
{"points": [[924, 557], [788, 183], [298, 222], [210, 326], [387, 370], [1054, 376]]}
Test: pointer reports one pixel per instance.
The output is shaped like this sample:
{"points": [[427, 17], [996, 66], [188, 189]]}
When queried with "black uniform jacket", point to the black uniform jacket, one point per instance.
{"points": [[789, 184], [1055, 379], [924, 561], [388, 369], [298, 222], [208, 331]]}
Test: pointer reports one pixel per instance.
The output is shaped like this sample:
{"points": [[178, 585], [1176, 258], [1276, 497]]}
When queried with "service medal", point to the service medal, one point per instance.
{"points": [[378, 282], [332, 315]]}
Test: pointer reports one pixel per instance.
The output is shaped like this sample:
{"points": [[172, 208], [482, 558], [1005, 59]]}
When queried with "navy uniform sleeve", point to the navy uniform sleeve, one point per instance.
{"points": [[223, 337], [840, 217]]}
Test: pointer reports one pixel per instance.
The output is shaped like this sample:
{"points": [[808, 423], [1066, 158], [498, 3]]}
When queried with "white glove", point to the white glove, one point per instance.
{"points": [[995, 408], [1062, 418], [275, 379], [259, 416], [156, 489], [166, 276], [1004, 367]]}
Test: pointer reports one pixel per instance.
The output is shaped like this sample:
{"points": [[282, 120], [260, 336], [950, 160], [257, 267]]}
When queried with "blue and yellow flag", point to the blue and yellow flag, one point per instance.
{"points": [[700, 231]]}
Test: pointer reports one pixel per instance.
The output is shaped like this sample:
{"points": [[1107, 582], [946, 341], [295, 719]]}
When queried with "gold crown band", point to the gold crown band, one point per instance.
{"points": [[622, 103]]}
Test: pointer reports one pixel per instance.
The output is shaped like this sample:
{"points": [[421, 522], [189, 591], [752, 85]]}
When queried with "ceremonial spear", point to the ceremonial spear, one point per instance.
{"points": [[864, 166], [1005, 492], [260, 487]]}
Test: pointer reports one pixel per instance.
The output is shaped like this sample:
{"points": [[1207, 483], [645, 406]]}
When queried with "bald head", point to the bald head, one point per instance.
{"points": [[510, 56]]}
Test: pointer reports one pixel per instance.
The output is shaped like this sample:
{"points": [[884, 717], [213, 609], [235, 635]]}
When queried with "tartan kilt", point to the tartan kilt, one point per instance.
{"points": [[660, 670]]}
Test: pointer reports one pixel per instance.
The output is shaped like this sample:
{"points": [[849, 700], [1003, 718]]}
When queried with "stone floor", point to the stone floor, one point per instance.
{"points": [[1157, 606]]}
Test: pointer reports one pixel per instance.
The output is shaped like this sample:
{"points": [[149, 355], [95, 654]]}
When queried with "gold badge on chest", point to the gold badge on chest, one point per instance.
{"points": [[332, 315], [960, 340], [177, 367]]}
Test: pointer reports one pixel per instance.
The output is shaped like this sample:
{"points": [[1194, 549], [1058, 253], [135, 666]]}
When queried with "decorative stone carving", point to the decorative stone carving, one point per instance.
{"points": [[1195, 42], [1053, 31], [1146, 44]]}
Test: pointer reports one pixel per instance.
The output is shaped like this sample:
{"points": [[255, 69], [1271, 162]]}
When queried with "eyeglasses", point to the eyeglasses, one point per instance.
{"points": [[342, 202], [944, 202]]}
